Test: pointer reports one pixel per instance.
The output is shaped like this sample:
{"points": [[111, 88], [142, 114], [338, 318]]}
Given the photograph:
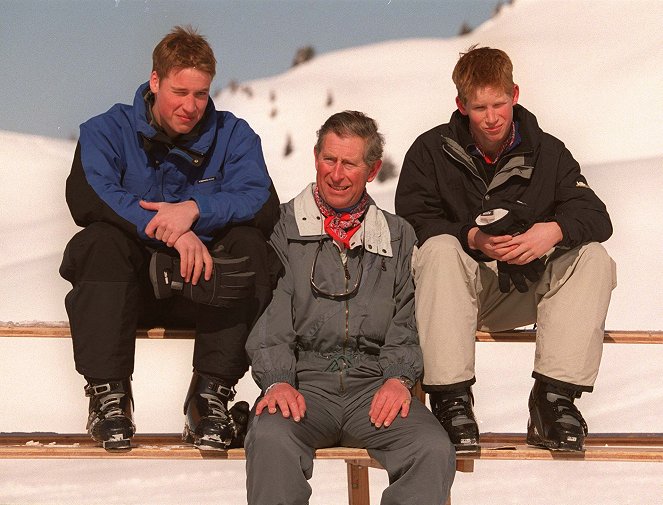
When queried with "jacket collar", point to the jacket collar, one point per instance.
{"points": [[528, 129], [373, 233]]}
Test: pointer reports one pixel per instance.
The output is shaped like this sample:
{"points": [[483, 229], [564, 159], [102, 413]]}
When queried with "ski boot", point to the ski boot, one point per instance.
{"points": [[209, 424], [454, 411], [110, 419], [554, 421]]}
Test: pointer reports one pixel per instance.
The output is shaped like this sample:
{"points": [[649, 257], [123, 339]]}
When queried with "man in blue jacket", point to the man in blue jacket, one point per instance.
{"points": [[176, 205], [509, 234]]}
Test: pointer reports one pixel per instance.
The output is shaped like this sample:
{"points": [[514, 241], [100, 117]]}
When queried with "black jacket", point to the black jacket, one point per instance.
{"points": [[440, 189]]}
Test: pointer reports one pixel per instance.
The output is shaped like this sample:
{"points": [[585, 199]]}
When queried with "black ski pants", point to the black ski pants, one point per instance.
{"points": [[112, 296]]}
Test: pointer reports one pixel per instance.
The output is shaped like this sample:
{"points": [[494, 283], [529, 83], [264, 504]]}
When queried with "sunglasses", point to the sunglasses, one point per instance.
{"points": [[337, 296]]}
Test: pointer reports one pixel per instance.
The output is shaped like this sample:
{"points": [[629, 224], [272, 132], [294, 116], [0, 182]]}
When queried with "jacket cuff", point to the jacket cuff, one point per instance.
{"points": [[270, 378], [400, 370]]}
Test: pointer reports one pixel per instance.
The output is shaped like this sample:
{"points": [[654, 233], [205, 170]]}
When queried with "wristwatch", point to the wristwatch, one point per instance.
{"points": [[406, 381]]}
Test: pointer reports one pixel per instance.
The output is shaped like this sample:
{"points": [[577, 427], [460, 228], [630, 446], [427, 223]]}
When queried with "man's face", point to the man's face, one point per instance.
{"points": [[341, 174], [490, 112], [180, 99]]}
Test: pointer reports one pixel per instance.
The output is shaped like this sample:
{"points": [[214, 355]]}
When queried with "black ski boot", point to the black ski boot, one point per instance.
{"points": [[554, 421], [208, 423], [454, 411], [111, 413]]}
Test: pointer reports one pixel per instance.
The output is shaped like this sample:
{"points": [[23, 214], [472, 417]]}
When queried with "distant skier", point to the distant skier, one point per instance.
{"points": [[509, 234], [176, 205]]}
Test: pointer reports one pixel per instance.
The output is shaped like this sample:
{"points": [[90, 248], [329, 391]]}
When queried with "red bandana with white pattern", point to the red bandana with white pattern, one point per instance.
{"points": [[341, 226]]}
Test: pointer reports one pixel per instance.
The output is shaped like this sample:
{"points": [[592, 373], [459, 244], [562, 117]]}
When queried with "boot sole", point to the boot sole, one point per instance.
{"points": [[467, 445], [465, 449], [117, 445], [536, 440], [206, 442], [118, 441]]}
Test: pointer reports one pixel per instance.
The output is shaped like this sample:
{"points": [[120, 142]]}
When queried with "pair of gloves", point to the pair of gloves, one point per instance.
{"points": [[512, 221], [231, 281]]}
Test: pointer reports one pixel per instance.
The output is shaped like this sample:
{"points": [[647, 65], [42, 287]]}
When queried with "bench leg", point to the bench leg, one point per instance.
{"points": [[358, 488]]}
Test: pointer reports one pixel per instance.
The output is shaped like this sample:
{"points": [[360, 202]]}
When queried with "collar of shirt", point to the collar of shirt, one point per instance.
{"points": [[373, 233], [512, 140]]}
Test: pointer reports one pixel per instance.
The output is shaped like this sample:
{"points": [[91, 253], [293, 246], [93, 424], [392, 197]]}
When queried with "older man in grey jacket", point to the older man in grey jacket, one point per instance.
{"points": [[337, 351]]}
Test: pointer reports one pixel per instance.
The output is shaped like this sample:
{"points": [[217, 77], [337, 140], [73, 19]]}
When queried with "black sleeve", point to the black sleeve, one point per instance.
{"points": [[85, 205]]}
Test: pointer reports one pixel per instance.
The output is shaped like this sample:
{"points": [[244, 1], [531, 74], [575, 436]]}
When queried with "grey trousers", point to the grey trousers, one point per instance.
{"points": [[456, 295], [415, 451]]}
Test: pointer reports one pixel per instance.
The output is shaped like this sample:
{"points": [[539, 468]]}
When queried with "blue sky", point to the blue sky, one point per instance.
{"points": [[64, 61]]}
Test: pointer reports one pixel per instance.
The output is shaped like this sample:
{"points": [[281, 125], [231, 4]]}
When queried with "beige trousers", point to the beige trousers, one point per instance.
{"points": [[456, 295]]}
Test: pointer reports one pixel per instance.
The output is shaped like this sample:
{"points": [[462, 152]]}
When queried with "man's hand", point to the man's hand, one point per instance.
{"points": [[172, 220], [517, 249], [393, 397], [194, 257], [532, 244], [287, 398], [493, 246]]}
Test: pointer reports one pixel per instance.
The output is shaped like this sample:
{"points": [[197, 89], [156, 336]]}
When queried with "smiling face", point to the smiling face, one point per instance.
{"points": [[341, 172], [180, 99], [490, 112]]}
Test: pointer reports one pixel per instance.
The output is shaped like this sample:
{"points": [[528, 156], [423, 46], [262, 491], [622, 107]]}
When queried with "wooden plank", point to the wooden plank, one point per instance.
{"points": [[611, 336], [358, 486], [494, 446], [593, 439], [61, 330], [166, 446], [591, 453]]}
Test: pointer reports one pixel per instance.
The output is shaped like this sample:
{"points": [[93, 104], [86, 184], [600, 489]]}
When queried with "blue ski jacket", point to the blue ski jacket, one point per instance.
{"points": [[122, 159]]}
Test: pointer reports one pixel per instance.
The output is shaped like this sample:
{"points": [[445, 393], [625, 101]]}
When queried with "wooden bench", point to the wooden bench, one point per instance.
{"points": [[625, 447]]}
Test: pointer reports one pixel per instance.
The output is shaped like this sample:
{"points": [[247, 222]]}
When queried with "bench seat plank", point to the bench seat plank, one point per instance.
{"points": [[61, 330], [494, 446]]}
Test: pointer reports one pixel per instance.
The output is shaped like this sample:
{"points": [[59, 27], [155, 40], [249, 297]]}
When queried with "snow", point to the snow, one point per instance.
{"points": [[591, 71]]}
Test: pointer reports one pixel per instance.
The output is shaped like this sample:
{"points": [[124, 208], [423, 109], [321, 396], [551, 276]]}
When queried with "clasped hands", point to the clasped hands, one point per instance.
{"points": [[392, 397], [172, 225], [517, 255]]}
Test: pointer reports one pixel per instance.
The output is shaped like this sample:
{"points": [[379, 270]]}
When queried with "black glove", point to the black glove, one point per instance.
{"points": [[231, 280], [512, 220], [508, 273], [240, 415]]}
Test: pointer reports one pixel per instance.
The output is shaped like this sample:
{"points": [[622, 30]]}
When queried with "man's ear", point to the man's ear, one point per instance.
{"points": [[375, 169], [154, 82], [516, 94], [461, 106]]}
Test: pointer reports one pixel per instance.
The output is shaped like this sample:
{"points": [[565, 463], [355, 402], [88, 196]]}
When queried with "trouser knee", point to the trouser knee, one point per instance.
{"points": [[102, 253], [595, 257], [440, 248]]}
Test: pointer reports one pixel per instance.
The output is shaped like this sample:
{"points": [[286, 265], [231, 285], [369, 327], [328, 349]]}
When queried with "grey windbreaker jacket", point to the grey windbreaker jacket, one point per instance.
{"points": [[378, 320]]}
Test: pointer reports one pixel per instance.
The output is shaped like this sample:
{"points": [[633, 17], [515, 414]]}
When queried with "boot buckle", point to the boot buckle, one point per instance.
{"points": [[98, 389]]}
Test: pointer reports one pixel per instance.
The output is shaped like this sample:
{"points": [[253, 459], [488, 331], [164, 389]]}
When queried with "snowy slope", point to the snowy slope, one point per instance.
{"points": [[592, 72]]}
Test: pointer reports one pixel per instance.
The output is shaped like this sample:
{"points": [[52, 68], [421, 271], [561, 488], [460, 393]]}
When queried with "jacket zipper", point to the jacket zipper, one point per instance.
{"points": [[346, 274]]}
